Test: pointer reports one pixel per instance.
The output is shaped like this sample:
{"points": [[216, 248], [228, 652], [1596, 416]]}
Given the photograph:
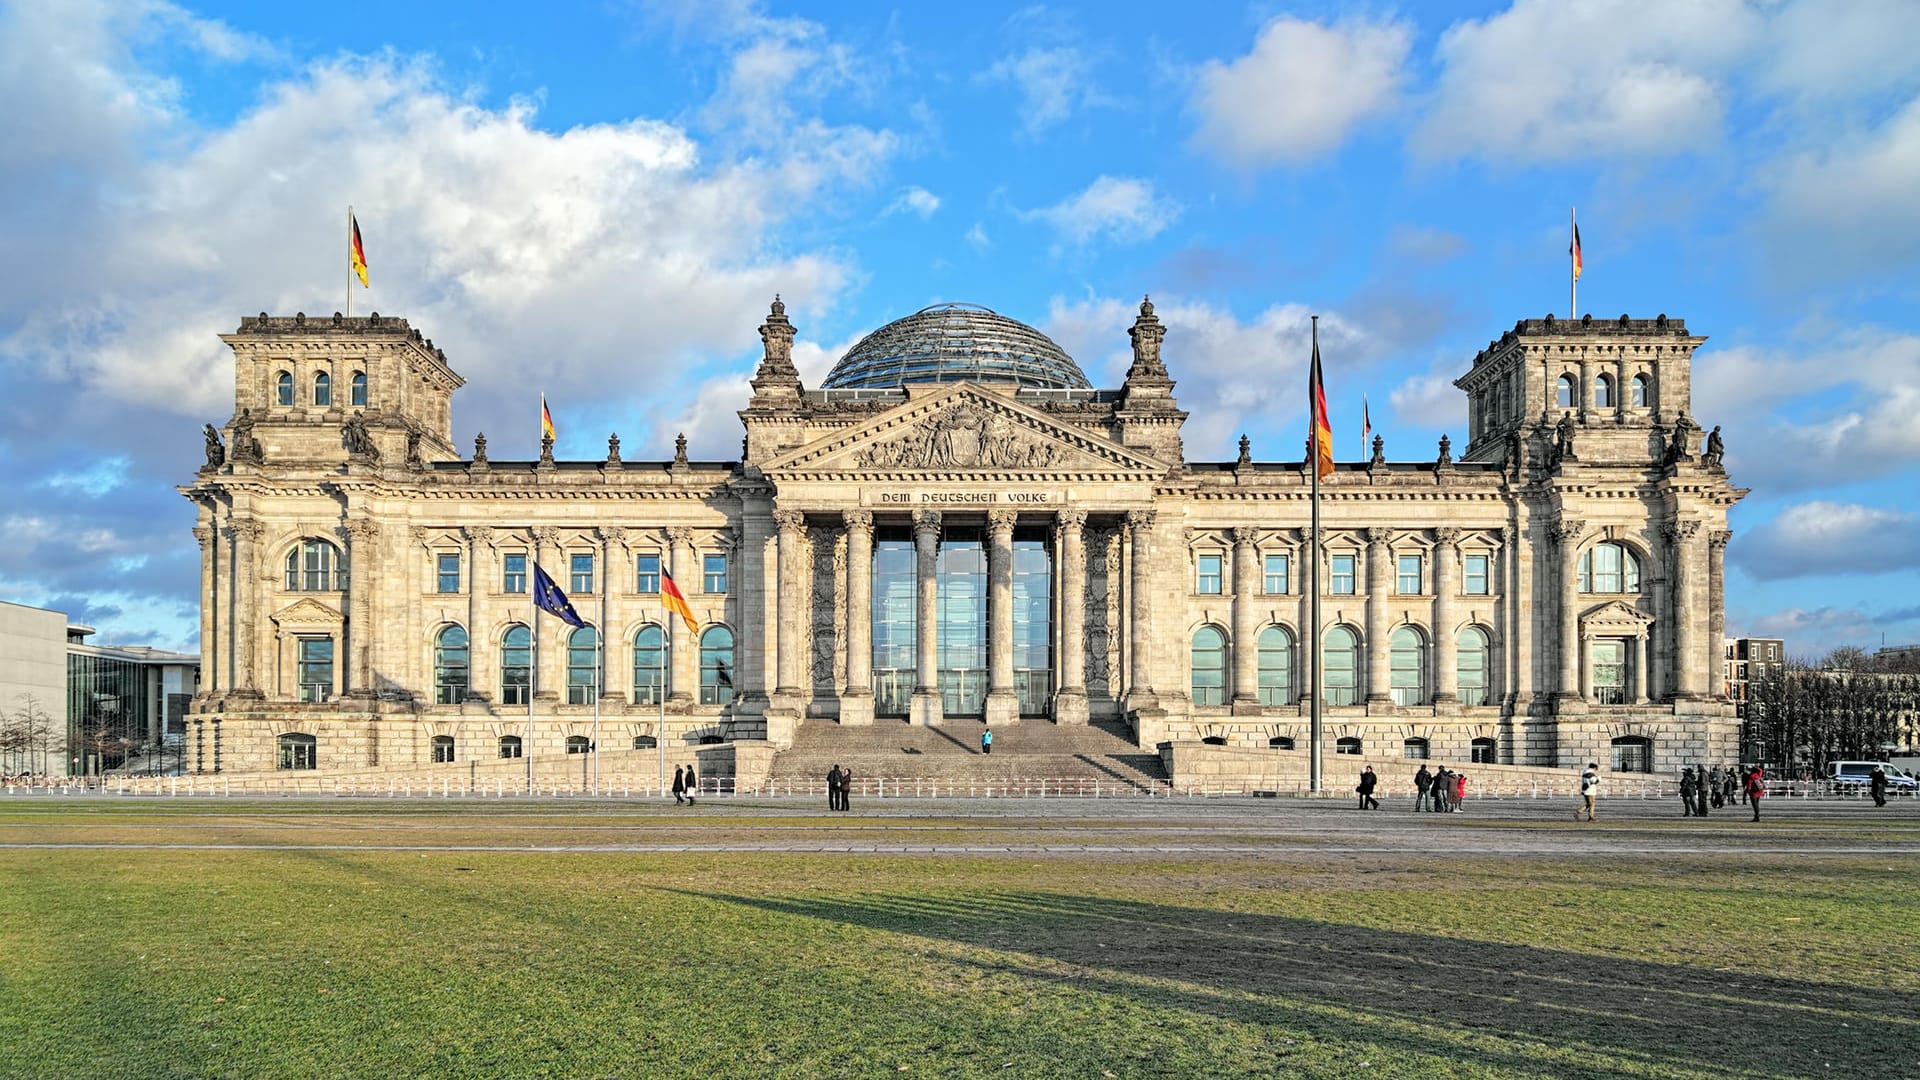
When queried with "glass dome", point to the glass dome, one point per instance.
{"points": [[955, 343]]}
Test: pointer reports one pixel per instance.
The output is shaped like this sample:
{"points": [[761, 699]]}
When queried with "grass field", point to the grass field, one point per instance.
{"points": [[330, 948]]}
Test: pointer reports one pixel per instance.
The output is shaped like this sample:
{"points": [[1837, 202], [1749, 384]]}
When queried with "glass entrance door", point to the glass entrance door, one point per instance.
{"points": [[962, 610]]}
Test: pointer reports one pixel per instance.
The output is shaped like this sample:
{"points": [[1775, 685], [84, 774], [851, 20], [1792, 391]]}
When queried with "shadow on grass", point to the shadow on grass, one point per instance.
{"points": [[1413, 991]]}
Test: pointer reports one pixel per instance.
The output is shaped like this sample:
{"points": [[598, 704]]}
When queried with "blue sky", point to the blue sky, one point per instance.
{"points": [[598, 202]]}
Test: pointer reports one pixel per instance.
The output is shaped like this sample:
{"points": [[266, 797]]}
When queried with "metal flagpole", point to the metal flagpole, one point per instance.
{"points": [[349, 260], [1573, 262], [1313, 562], [533, 671], [660, 698], [600, 680]]}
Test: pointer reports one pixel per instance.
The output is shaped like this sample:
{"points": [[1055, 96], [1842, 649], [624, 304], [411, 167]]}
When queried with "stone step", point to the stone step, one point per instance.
{"points": [[951, 753]]}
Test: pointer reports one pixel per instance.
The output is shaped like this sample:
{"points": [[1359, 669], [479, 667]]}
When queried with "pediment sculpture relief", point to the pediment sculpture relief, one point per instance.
{"points": [[963, 436]]}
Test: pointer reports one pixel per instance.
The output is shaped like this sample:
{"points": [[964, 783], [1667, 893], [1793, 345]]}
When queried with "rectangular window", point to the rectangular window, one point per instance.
{"points": [[315, 667], [1475, 583], [514, 580], [582, 577], [1209, 583], [448, 571], [1276, 583], [646, 570], [1342, 583], [1409, 583], [1609, 665], [716, 573]]}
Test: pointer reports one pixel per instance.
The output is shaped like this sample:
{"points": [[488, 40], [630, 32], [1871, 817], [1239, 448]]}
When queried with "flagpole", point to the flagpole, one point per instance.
{"points": [[660, 699], [1573, 262], [533, 670], [1313, 562], [349, 260], [600, 677]]}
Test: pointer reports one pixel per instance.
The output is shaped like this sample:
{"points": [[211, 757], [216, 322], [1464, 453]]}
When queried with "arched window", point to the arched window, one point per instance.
{"points": [[716, 666], [1486, 752], [450, 667], [299, 752], [1417, 749], [1341, 661], [283, 388], [509, 746], [316, 566], [1473, 667], [1280, 742], [1633, 753], [442, 749], [516, 665], [1209, 666], [1409, 666], [1639, 399], [583, 682], [644, 742], [1276, 666], [578, 744], [1603, 392], [1609, 567], [649, 666], [1348, 745], [323, 389], [359, 391], [1567, 398]]}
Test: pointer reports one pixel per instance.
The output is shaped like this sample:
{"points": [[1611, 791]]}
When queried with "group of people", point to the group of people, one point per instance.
{"points": [[1701, 787], [839, 780], [1446, 788], [686, 785]]}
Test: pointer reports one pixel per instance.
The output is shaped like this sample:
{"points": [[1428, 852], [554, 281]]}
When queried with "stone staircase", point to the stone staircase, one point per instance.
{"points": [[1028, 752]]}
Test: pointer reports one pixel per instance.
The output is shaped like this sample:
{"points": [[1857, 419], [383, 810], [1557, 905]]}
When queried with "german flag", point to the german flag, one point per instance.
{"points": [[1321, 437], [1574, 250], [356, 253], [670, 595], [546, 419]]}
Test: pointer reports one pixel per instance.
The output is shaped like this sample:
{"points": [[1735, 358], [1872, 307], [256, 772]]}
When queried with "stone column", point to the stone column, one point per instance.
{"points": [[926, 627], [1070, 703], [1446, 646], [1686, 612], [613, 540], [1307, 648], [1717, 612], [1585, 390], [1246, 597], [1622, 386], [856, 702], [1140, 693], [1523, 664], [683, 650], [211, 665], [1379, 578], [480, 655], [793, 589], [549, 642], [246, 534], [1566, 533], [1642, 660], [1003, 705]]}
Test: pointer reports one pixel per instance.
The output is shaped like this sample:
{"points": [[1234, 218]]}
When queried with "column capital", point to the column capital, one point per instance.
{"points": [[1074, 518], [548, 535], [1567, 531], [1446, 534], [678, 535], [789, 520], [247, 529], [1000, 524], [611, 534], [860, 521], [1681, 531], [1140, 520], [1719, 538], [203, 534], [926, 522], [1378, 535], [478, 534], [1245, 536]]}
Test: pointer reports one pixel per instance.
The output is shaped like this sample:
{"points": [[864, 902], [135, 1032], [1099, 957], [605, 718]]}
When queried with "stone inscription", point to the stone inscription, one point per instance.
{"points": [[967, 498]]}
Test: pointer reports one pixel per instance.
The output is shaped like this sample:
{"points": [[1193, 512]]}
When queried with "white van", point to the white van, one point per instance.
{"points": [[1858, 774]]}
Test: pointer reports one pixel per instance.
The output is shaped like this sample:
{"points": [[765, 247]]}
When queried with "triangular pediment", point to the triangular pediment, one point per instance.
{"points": [[964, 429], [1615, 617], [306, 613]]}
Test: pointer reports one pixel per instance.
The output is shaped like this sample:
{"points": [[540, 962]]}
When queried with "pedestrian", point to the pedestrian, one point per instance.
{"points": [[1422, 780], [1367, 781], [1442, 789], [846, 787], [1756, 789], [986, 740], [833, 788], [693, 785], [1730, 784], [1700, 791], [1877, 786], [679, 786], [1459, 791], [1715, 784], [1687, 784], [1589, 787]]}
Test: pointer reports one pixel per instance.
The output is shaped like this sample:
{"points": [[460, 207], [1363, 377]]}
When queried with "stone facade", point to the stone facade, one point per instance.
{"points": [[1553, 596]]}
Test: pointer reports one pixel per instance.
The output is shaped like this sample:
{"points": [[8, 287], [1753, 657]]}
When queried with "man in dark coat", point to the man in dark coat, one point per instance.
{"points": [[833, 788], [1422, 780], [679, 785], [1687, 791], [1877, 785], [1367, 782], [846, 787]]}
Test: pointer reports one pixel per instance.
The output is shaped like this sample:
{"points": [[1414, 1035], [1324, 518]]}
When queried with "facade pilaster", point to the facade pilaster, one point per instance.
{"points": [[683, 651], [791, 525], [246, 533], [204, 534], [926, 707], [1246, 650], [1003, 705], [613, 555], [1140, 693], [1717, 611], [1586, 386], [1566, 534], [1379, 577], [549, 644], [363, 578], [1070, 702], [856, 702], [482, 657], [1446, 645], [1687, 668]]}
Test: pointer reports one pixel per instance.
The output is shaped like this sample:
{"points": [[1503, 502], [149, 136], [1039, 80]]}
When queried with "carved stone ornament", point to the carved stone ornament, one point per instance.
{"points": [[547, 535], [246, 529], [1378, 535], [1567, 530], [1379, 451], [611, 534], [1681, 531], [1245, 535], [1446, 450], [679, 535], [1071, 519], [480, 449], [1446, 534], [478, 534], [1000, 525], [680, 449], [361, 530], [204, 535], [420, 536], [1246, 452], [217, 451], [1719, 538], [613, 449], [858, 520], [964, 435], [926, 521], [787, 519], [1139, 521]]}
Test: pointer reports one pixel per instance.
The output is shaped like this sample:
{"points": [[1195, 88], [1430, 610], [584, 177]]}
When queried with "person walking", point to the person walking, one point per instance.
{"points": [[693, 785], [1422, 780], [1730, 784], [679, 786], [1367, 782], [1877, 785], [1459, 792], [846, 787], [1756, 789], [1716, 782], [986, 740], [1700, 791], [1686, 791], [833, 788], [1589, 787]]}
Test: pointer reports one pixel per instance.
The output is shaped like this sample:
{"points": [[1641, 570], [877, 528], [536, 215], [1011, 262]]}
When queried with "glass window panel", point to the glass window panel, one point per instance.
{"points": [[1209, 667], [1340, 680], [447, 572], [1408, 667], [514, 572], [1475, 577], [443, 750], [1032, 610], [323, 389], [716, 666], [1276, 666], [649, 666], [315, 668], [450, 666], [894, 614], [1473, 667], [961, 607], [1486, 752], [359, 394], [582, 575], [1409, 577], [715, 571], [283, 389], [516, 666], [646, 569], [1609, 660], [1342, 582], [1209, 583], [582, 683], [509, 746], [1276, 576]]}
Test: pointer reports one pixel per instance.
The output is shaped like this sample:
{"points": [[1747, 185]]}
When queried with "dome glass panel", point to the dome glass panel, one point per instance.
{"points": [[955, 343]]}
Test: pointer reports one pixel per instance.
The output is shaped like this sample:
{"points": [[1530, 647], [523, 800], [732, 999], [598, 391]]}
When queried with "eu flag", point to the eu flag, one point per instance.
{"points": [[548, 597]]}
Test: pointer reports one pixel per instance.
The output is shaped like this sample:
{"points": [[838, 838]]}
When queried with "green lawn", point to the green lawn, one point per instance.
{"points": [[335, 963]]}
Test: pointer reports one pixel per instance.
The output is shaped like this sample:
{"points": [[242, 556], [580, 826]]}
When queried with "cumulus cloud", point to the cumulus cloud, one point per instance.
{"points": [[1124, 210], [1053, 83], [914, 200], [1301, 91], [1552, 81], [1849, 202], [1432, 401], [1811, 633], [1820, 538]]}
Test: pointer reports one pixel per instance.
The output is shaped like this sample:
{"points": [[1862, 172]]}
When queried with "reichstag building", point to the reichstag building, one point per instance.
{"points": [[956, 528]]}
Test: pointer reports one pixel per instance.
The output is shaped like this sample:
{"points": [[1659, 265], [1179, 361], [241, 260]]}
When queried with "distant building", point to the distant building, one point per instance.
{"points": [[126, 705], [33, 689], [1750, 660]]}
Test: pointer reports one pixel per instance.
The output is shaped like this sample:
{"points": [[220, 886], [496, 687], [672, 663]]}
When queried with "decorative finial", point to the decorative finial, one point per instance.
{"points": [[680, 449], [1246, 451], [1146, 305], [1446, 450], [1379, 451], [613, 449], [480, 448]]}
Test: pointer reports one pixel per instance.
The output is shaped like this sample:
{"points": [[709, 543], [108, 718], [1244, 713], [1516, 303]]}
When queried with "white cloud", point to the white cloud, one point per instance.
{"points": [[1432, 401], [977, 237], [1850, 200], [1548, 80], [1123, 210], [1301, 91], [914, 200], [1053, 82], [1823, 50], [1820, 538]]}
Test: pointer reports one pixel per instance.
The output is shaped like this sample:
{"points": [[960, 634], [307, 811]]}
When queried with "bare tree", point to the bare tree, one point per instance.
{"points": [[40, 739]]}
